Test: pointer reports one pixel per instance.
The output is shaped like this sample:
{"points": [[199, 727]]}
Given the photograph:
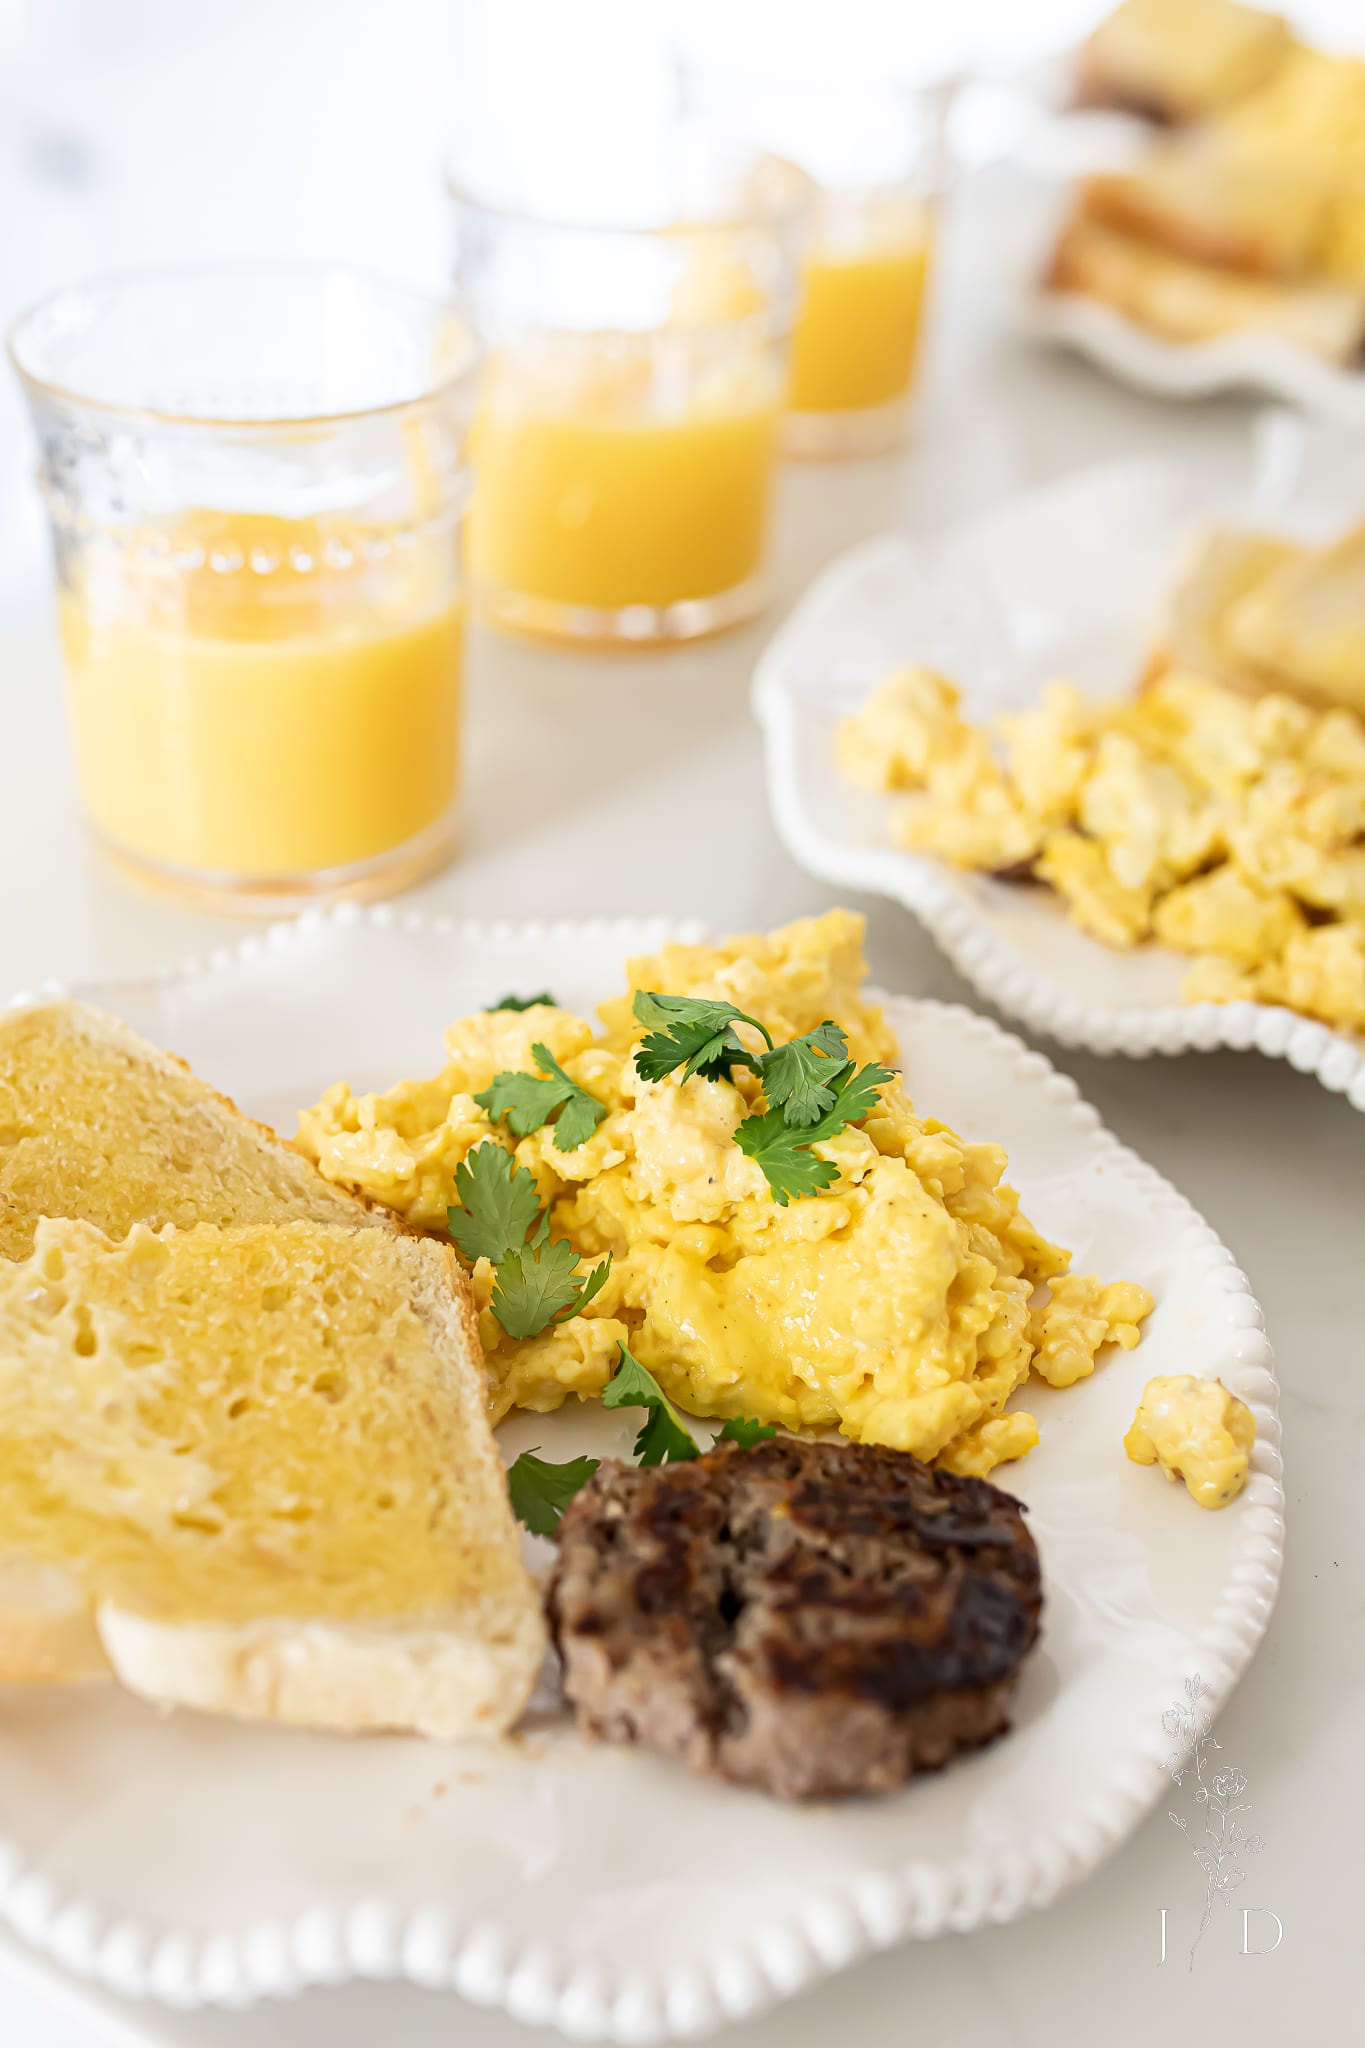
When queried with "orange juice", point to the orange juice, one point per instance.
{"points": [[286, 705], [622, 477], [857, 337]]}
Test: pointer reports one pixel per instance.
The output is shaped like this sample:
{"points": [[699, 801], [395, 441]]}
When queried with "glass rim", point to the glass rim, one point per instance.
{"points": [[939, 89], [247, 270], [789, 211]]}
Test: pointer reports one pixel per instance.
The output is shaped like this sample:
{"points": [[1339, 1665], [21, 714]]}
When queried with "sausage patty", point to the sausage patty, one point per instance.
{"points": [[812, 1618]]}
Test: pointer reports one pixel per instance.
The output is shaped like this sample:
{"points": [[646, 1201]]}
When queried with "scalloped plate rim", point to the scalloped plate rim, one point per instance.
{"points": [[1232, 362]]}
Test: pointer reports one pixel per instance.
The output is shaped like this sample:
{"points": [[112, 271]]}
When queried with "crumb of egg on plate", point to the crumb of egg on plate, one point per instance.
{"points": [[1197, 1431]]}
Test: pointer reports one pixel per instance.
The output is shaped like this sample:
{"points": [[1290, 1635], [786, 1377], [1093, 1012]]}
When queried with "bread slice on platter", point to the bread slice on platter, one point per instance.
{"points": [[1187, 303], [250, 1471], [1305, 619], [1181, 60], [1223, 568], [98, 1124], [1199, 197]]}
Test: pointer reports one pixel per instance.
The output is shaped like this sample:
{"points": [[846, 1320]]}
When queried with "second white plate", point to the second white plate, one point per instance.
{"points": [[1064, 581]]}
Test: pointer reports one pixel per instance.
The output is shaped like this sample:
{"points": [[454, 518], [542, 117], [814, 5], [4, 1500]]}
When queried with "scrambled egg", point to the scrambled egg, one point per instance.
{"points": [[904, 1304], [1196, 1431], [1228, 827]]}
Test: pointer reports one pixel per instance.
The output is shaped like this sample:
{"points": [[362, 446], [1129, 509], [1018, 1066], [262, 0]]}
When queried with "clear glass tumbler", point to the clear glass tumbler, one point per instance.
{"points": [[256, 479], [876, 152], [626, 435]]}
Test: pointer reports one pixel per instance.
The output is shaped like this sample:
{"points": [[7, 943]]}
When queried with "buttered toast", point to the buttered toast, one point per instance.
{"points": [[97, 1124], [250, 1471]]}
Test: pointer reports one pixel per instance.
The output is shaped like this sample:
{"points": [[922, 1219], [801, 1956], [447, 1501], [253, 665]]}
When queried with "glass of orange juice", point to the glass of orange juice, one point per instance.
{"points": [[626, 434], [875, 150], [256, 479]]}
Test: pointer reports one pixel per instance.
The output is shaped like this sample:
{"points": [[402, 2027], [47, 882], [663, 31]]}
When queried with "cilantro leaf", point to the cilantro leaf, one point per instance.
{"points": [[744, 1431], [536, 1288], [693, 1033], [855, 1096], [595, 1282], [526, 1100], [582, 1112], [664, 1437], [523, 1002], [783, 1151], [500, 1203], [789, 1166], [798, 1076], [530, 1100], [632, 1385], [664, 1440], [541, 1491]]}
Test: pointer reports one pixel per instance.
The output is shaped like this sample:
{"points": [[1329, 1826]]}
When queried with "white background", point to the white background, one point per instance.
{"points": [[138, 129]]}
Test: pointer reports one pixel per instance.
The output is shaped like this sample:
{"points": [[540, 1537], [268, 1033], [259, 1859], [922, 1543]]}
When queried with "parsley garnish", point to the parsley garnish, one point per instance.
{"points": [[541, 1491], [537, 1282], [783, 1150], [530, 1100], [524, 1002], [664, 1438], [694, 1034], [535, 1288], [744, 1431]]}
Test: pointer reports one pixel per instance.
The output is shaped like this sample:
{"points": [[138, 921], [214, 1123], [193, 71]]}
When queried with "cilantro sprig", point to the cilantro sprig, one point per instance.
{"points": [[810, 1085], [663, 1439], [499, 1204], [543, 1000], [694, 1034], [783, 1150], [530, 1100], [744, 1431], [500, 1218], [798, 1078], [542, 1490], [539, 1286]]}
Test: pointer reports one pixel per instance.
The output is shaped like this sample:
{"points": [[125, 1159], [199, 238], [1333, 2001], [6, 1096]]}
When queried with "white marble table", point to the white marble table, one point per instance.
{"points": [[634, 783]]}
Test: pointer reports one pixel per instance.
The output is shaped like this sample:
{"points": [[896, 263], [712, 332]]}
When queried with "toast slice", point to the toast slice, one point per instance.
{"points": [[1198, 197], [254, 1467], [1188, 303], [98, 1124], [1224, 567], [1181, 60], [1306, 620]]}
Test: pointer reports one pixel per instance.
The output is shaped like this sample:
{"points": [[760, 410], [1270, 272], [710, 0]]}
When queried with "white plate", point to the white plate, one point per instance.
{"points": [[1067, 580], [602, 1890]]}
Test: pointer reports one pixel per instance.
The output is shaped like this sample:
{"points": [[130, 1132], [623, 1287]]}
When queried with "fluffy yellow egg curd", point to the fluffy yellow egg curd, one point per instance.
{"points": [[903, 1305], [1227, 827], [1196, 1431]]}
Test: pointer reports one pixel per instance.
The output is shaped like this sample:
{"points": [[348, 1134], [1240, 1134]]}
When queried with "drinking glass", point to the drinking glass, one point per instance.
{"points": [[875, 150], [626, 434], [255, 479]]}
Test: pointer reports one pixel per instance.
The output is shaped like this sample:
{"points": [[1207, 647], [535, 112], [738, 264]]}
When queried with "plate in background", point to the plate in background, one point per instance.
{"points": [[1067, 580]]}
